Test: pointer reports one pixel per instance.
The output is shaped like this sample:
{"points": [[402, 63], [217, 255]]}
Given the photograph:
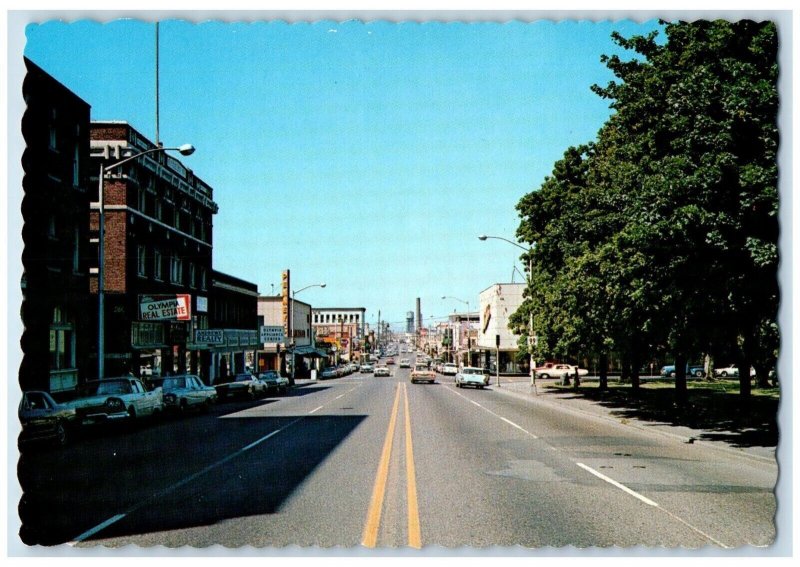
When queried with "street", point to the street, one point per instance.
{"points": [[381, 463]]}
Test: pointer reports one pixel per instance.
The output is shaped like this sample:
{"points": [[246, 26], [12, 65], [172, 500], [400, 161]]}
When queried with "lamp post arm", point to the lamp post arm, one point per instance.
{"points": [[140, 154]]}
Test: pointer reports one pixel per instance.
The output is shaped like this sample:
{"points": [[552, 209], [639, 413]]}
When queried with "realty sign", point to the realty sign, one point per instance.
{"points": [[165, 307]]}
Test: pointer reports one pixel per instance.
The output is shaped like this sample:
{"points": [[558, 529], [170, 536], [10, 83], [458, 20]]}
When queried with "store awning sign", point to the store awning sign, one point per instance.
{"points": [[165, 307], [271, 334]]}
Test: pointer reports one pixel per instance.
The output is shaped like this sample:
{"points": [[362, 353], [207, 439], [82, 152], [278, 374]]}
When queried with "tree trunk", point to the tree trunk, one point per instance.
{"points": [[635, 364], [625, 367], [604, 371], [681, 390]]}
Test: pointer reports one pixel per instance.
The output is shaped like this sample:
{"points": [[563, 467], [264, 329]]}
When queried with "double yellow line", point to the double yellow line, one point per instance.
{"points": [[372, 525]]}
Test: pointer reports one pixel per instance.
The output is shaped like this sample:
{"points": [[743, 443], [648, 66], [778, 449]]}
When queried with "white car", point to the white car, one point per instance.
{"points": [[382, 371], [449, 369], [472, 376], [551, 370], [731, 370], [112, 399], [405, 363]]}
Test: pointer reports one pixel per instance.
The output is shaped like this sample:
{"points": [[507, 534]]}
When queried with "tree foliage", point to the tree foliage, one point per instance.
{"points": [[661, 235]]}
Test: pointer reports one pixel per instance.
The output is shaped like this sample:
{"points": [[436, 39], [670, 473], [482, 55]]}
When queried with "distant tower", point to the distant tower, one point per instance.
{"points": [[409, 321], [419, 315]]}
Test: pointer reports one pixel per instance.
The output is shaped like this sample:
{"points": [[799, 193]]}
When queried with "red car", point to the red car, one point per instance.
{"points": [[390, 360]]}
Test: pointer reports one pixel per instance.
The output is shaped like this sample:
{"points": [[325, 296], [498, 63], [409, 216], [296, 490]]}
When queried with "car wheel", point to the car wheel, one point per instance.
{"points": [[544, 376], [698, 374], [672, 375], [724, 374]]}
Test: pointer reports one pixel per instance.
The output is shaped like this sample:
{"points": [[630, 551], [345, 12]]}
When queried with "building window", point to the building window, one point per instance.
{"points": [[76, 250], [141, 260], [53, 141], [159, 210], [62, 341], [142, 200], [176, 270], [203, 275], [157, 262], [51, 227], [76, 165], [192, 275]]}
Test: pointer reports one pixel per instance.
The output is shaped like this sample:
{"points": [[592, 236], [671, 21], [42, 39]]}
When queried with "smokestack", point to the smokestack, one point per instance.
{"points": [[419, 315]]}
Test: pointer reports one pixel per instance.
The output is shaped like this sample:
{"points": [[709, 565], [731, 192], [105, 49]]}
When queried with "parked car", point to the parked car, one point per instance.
{"points": [[471, 376], [696, 370], [186, 391], [449, 369], [274, 381], [382, 370], [329, 372], [43, 419], [242, 385], [367, 368], [558, 370], [116, 399], [731, 370]]}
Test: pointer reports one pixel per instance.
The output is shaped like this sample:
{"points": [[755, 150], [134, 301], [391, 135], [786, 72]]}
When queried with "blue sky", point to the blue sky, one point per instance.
{"points": [[368, 156]]}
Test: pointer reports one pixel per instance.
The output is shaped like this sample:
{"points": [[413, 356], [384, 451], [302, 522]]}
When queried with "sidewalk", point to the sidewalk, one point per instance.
{"points": [[520, 387]]}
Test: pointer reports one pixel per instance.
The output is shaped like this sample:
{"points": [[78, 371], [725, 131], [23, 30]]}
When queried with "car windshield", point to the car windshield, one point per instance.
{"points": [[472, 371], [243, 378], [172, 383], [110, 387]]}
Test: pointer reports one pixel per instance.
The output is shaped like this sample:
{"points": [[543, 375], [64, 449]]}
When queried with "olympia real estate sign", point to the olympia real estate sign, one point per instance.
{"points": [[165, 307]]}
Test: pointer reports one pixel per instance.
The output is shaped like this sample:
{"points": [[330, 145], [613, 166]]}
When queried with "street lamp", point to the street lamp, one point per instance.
{"points": [[186, 150], [469, 346], [291, 322], [530, 320]]}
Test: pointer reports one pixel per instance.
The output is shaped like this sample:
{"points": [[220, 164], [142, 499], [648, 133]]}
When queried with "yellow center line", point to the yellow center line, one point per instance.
{"points": [[414, 536], [370, 537]]}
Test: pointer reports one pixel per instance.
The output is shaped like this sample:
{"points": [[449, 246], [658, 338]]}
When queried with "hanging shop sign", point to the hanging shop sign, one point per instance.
{"points": [[165, 307]]}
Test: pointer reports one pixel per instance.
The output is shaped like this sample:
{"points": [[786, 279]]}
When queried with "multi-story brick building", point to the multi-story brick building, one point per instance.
{"points": [[55, 209], [158, 246]]}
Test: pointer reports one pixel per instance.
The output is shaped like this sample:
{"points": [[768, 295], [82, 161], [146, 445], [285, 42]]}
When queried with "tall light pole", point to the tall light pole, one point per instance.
{"points": [[186, 150], [291, 322], [469, 347], [530, 250]]}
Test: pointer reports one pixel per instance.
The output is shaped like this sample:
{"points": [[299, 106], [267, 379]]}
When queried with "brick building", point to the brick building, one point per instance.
{"points": [[234, 319], [55, 209], [158, 245]]}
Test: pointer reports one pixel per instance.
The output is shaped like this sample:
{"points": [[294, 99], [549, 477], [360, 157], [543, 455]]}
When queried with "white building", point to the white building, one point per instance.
{"points": [[497, 303]]}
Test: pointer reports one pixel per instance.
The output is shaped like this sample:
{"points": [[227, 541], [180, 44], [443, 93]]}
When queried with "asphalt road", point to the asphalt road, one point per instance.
{"points": [[380, 463]]}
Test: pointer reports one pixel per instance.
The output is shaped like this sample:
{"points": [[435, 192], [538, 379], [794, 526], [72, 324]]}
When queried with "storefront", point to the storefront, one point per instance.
{"points": [[495, 339]]}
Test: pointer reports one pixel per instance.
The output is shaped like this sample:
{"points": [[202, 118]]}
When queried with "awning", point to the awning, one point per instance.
{"points": [[310, 352]]}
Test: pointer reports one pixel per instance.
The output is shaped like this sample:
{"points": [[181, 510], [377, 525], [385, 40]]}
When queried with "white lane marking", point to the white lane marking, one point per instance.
{"points": [[316, 409], [650, 503], [494, 414], [97, 528], [188, 479], [622, 487], [512, 424]]}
